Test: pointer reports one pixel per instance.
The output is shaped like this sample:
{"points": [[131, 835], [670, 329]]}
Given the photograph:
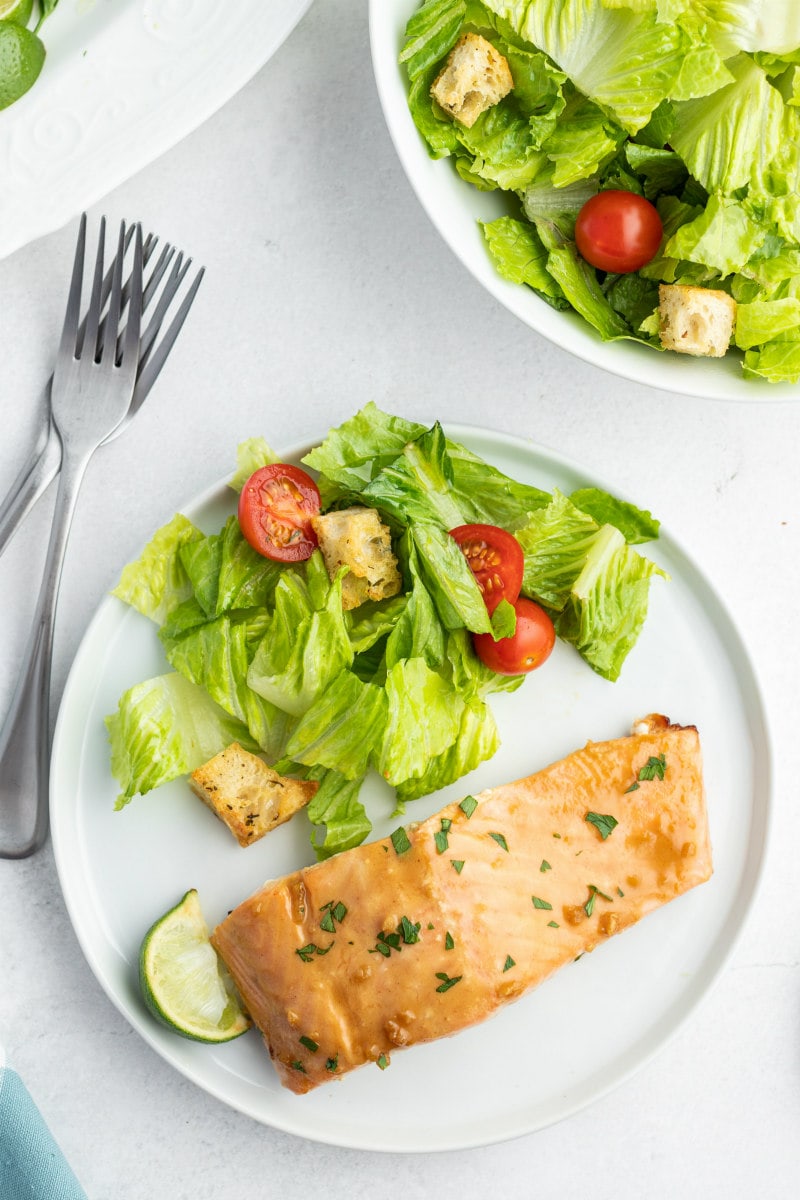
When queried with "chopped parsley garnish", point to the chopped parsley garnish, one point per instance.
{"points": [[545, 865], [309, 1044], [440, 837], [407, 932], [589, 905], [620, 892], [448, 981], [298, 1066], [557, 835], [468, 806], [509, 963], [332, 1064], [632, 788], [448, 941], [400, 841], [382, 1062], [604, 823], [539, 903], [654, 768], [501, 841], [458, 865], [553, 925], [334, 911], [307, 952]]}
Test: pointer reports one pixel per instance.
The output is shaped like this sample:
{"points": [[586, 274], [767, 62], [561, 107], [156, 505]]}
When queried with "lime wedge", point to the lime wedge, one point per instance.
{"points": [[18, 11], [183, 982], [21, 61]]}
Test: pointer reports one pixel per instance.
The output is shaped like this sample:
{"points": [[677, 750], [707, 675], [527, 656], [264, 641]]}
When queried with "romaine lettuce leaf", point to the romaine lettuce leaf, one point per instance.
{"points": [[156, 582], [303, 649], [216, 655], [607, 603], [250, 455], [555, 543], [165, 728], [760, 322], [728, 138], [477, 739], [355, 451], [343, 728], [449, 580], [636, 524], [626, 61], [578, 281], [424, 718], [337, 809], [430, 33]]}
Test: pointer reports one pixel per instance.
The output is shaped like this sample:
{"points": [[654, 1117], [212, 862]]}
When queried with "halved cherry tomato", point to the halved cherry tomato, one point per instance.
{"points": [[275, 510], [496, 560], [526, 649], [618, 231]]}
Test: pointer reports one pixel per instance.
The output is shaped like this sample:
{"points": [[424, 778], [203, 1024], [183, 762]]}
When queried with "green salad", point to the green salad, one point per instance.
{"points": [[264, 653], [692, 104]]}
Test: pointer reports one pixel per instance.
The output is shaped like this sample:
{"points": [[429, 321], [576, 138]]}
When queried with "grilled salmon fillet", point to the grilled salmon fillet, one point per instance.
{"points": [[417, 936]]}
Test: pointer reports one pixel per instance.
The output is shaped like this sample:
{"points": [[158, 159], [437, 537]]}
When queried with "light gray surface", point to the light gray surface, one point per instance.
{"points": [[326, 287]]}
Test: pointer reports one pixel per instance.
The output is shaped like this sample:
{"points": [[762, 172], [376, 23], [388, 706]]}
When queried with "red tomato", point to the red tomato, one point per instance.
{"points": [[526, 649], [496, 560], [275, 510], [618, 231]]}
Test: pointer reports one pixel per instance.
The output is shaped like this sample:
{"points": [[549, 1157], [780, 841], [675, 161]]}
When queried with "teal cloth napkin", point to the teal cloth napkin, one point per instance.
{"points": [[32, 1166]]}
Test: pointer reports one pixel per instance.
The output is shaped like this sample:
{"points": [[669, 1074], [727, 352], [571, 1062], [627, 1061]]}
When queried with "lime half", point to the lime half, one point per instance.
{"points": [[18, 11], [21, 60], [183, 982]]}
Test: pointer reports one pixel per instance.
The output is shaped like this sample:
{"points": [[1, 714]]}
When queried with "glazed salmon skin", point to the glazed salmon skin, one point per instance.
{"points": [[420, 935]]}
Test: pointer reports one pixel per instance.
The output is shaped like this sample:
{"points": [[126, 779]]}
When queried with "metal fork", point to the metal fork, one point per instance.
{"points": [[45, 460], [91, 393]]}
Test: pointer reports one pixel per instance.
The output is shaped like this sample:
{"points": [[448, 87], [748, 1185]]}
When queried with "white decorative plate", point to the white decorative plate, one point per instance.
{"points": [[124, 80], [557, 1049]]}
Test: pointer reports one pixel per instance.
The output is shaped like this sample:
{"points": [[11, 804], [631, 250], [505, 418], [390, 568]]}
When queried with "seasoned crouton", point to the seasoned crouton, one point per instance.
{"points": [[695, 320], [475, 77], [248, 795], [358, 539]]}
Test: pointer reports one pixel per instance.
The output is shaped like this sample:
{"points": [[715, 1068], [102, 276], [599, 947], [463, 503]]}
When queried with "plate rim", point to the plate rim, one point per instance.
{"points": [[68, 206], [762, 808]]}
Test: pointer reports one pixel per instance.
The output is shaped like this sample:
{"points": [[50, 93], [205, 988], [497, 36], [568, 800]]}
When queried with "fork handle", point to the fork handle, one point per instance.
{"points": [[32, 481], [25, 735]]}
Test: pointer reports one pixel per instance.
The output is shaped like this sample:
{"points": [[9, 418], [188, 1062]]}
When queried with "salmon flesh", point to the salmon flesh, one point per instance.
{"points": [[429, 931]]}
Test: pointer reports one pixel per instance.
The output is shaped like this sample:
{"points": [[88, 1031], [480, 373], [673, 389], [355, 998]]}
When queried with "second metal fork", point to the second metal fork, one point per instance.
{"points": [[91, 393]]}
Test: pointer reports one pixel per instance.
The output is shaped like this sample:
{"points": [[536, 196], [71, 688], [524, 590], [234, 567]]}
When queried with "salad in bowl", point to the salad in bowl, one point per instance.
{"points": [[623, 174]]}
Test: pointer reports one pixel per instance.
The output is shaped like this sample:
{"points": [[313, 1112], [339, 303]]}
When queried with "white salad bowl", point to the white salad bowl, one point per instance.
{"points": [[455, 208]]}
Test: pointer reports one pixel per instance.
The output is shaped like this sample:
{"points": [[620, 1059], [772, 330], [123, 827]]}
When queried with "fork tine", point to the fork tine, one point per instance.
{"points": [[115, 302], [176, 277], [130, 347], [148, 376], [157, 274], [68, 346], [95, 304]]}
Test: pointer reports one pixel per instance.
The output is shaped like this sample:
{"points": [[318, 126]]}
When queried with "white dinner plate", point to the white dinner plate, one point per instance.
{"points": [[124, 80], [557, 1049]]}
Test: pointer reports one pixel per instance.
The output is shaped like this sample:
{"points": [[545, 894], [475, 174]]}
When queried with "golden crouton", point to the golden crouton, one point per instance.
{"points": [[358, 539], [695, 320], [248, 795], [475, 77]]}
